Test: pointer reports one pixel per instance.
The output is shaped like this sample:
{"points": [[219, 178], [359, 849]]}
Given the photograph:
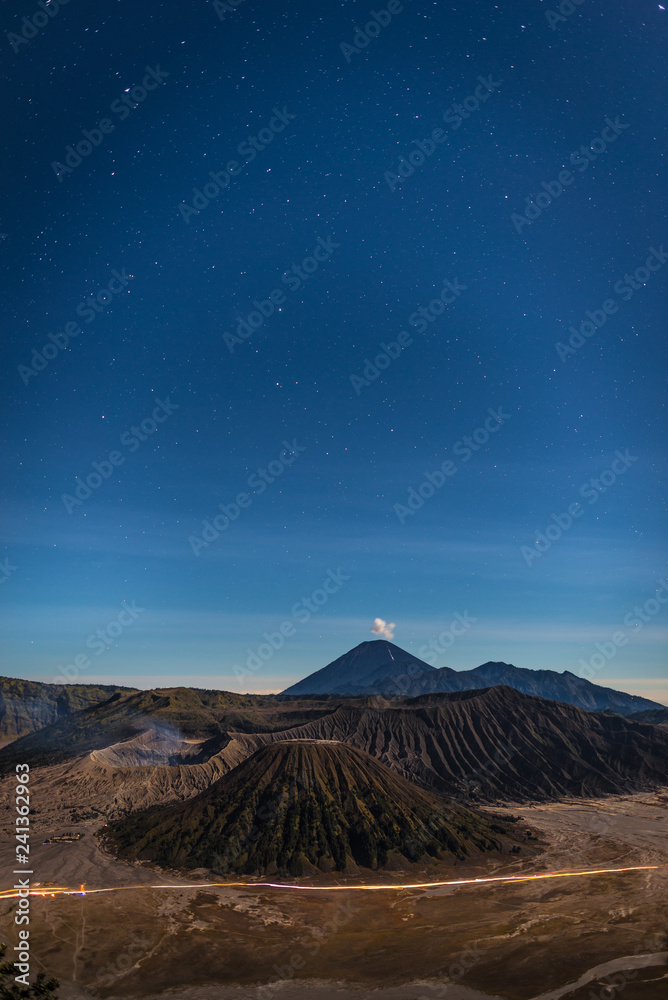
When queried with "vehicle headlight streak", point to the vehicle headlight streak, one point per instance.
{"points": [[82, 891]]}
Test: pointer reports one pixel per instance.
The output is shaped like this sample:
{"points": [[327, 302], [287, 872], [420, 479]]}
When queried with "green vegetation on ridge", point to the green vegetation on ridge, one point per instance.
{"points": [[299, 806]]}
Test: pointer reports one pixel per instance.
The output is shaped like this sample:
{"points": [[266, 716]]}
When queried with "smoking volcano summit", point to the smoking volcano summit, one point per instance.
{"points": [[378, 667]]}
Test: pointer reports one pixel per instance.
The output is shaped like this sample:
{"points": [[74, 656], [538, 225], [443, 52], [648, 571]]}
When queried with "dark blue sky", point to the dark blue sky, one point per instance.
{"points": [[325, 135]]}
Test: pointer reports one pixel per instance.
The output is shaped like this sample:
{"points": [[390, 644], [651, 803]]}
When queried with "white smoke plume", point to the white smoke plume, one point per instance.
{"points": [[384, 629]]}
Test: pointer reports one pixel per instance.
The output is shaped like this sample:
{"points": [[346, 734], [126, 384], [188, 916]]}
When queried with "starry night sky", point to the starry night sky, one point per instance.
{"points": [[327, 177]]}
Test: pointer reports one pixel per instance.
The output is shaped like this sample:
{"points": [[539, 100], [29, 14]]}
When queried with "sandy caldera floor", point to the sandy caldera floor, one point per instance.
{"points": [[594, 937]]}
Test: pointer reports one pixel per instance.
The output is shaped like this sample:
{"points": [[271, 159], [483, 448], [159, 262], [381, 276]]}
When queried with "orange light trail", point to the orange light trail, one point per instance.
{"points": [[81, 891]]}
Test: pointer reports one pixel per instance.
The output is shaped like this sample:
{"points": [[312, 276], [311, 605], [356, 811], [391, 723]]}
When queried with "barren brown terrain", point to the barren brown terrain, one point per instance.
{"points": [[169, 934], [541, 940]]}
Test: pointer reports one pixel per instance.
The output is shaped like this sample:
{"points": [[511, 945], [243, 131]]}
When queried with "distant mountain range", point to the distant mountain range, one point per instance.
{"points": [[474, 745], [500, 744], [303, 806], [374, 668], [173, 714], [29, 705], [367, 762], [378, 667], [656, 717]]}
